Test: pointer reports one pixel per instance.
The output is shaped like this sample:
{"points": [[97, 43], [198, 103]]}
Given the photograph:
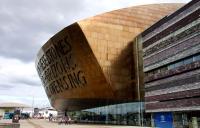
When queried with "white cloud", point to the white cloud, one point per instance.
{"points": [[19, 82], [28, 100], [14, 71]]}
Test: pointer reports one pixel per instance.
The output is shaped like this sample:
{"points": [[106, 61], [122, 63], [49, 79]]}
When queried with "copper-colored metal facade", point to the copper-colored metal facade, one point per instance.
{"points": [[94, 62]]}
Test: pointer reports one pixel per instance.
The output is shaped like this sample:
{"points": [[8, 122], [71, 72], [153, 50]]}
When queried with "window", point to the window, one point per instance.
{"points": [[171, 66], [178, 64], [197, 58], [188, 61], [174, 65]]}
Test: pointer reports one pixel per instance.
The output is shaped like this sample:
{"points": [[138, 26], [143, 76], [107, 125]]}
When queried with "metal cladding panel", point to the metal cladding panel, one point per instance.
{"points": [[110, 36], [69, 70]]}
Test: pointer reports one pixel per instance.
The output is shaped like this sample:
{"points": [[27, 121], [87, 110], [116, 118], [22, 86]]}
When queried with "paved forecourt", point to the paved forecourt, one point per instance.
{"points": [[35, 123]]}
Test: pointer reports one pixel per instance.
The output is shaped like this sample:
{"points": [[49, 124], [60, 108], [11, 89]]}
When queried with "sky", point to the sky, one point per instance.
{"points": [[25, 25]]}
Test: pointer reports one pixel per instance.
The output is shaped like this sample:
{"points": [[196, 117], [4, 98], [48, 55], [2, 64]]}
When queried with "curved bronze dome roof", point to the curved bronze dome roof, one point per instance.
{"points": [[90, 63]]}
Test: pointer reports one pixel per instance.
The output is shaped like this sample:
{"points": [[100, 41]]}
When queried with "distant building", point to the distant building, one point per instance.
{"points": [[171, 54], [45, 112], [9, 107], [29, 111]]}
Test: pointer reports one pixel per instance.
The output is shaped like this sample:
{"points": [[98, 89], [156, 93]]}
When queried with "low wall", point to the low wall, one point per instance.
{"points": [[9, 125]]}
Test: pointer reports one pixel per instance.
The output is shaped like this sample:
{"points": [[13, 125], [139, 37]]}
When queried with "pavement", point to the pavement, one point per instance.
{"points": [[42, 123]]}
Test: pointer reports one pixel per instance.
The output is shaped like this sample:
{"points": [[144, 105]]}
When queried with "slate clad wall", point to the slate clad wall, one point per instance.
{"points": [[175, 89]]}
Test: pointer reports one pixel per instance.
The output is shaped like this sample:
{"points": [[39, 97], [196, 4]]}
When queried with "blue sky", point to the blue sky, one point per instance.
{"points": [[26, 25]]}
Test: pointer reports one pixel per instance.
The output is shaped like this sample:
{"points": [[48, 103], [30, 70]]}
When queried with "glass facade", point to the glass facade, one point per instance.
{"points": [[186, 119], [118, 114]]}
